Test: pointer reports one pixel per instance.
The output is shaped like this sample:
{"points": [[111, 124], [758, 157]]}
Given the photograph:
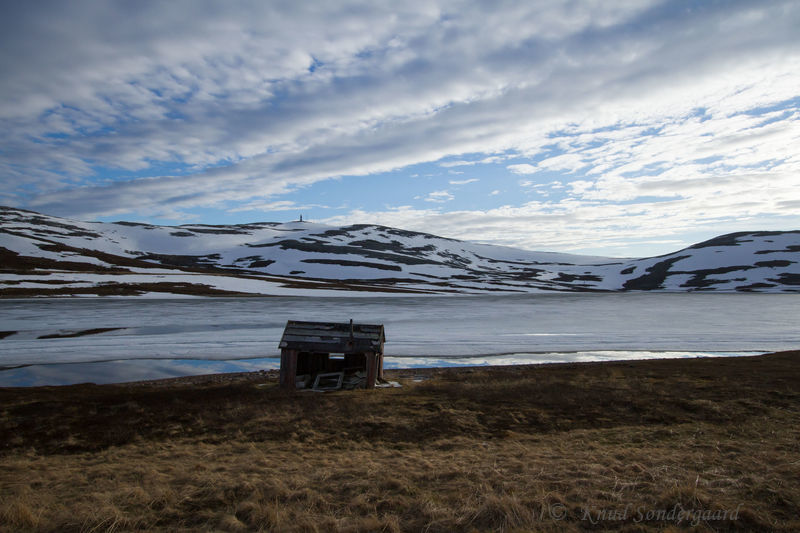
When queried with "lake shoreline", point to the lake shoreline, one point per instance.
{"points": [[120, 371], [271, 375]]}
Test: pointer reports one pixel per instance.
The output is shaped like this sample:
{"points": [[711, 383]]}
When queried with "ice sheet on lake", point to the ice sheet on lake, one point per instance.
{"points": [[430, 327]]}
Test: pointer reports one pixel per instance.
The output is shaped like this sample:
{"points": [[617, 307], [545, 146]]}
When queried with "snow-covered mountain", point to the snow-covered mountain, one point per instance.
{"points": [[44, 255]]}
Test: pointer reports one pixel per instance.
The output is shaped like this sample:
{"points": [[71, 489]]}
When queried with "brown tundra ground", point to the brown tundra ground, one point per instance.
{"points": [[698, 444]]}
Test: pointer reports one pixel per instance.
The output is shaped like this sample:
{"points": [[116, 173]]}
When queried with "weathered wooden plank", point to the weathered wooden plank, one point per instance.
{"points": [[288, 372], [371, 370]]}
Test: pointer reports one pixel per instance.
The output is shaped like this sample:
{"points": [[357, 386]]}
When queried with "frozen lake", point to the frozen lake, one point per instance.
{"points": [[149, 338]]}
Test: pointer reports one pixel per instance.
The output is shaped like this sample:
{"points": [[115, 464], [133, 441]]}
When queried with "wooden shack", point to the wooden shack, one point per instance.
{"points": [[318, 354]]}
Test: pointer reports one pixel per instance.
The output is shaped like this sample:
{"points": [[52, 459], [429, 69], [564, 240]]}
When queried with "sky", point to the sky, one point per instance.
{"points": [[609, 127]]}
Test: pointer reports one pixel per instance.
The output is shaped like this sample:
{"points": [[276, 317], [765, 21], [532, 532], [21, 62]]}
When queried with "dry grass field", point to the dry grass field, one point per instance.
{"points": [[700, 444]]}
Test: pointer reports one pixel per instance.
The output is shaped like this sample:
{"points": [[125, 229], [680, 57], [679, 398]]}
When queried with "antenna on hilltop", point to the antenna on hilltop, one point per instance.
{"points": [[301, 218]]}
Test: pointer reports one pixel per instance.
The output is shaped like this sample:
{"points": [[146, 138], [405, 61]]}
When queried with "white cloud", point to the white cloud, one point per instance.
{"points": [[463, 163], [523, 168], [439, 197], [570, 162], [463, 182], [448, 164]]}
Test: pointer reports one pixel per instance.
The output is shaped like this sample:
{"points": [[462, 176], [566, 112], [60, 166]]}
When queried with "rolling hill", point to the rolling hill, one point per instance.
{"points": [[42, 255]]}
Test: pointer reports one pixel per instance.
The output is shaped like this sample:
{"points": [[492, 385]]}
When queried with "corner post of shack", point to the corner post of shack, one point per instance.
{"points": [[331, 355]]}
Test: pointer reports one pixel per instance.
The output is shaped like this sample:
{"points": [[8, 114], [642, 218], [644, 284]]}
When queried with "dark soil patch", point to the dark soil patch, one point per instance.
{"points": [[654, 279], [342, 262]]}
